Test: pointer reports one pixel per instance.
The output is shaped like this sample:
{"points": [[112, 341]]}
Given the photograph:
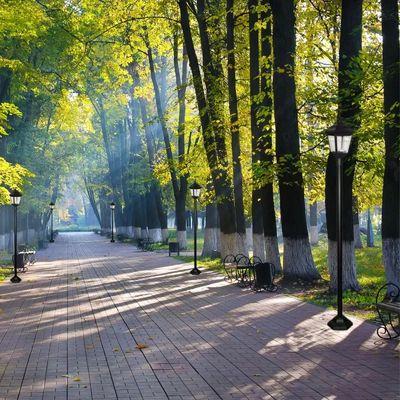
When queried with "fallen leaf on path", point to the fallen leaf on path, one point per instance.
{"points": [[115, 349], [66, 376], [77, 379], [257, 375], [89, 346], [141, 346]]}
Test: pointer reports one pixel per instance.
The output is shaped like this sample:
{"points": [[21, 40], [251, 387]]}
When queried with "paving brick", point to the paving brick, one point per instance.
{"points": [[69, 331]]}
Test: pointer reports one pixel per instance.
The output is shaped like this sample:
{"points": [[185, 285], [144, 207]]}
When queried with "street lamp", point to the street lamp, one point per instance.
{"points": [[112, 206], [15, 196], [195, 189], [339, 137], [51, 205]]}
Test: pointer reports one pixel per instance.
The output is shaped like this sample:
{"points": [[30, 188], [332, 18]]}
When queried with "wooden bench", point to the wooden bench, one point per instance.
{"points": [[25, 256], [388, 308]]}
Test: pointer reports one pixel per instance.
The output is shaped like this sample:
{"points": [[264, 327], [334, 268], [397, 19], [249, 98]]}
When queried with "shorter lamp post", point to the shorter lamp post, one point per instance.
{"points": [[51, 205], [195, 189], [15, 196], [112, 207], [339, 137]]}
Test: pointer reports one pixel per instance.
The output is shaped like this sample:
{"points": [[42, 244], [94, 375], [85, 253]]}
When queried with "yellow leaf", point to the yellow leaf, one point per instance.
{"points": [[77, 379], [141, 346]]}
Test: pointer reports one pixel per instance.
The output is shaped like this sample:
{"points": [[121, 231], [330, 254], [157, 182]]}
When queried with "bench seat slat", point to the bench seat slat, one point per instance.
{"points": [[392, 307]]}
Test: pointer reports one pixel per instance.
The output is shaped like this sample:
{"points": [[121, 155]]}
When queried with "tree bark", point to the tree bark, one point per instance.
{"points": [[265, 141], [256, 203], [234, 119], [391, 180], [297, 258], [212, 240], [212, 128], [313, 224], [349, 91], [356, 225]]}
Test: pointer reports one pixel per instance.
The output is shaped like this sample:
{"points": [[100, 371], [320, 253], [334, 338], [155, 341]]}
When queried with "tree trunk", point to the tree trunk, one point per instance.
{"points": [[356, 225], [391, 180], [370, 231], [265, 142], [349, 113], [234, 119], [153, 220], [297, 257], [213, 141], [256, 203], [314, 224], [181, 83], [212, 242]]}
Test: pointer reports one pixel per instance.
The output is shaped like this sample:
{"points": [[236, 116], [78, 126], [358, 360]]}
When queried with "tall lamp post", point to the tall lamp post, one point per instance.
{"points": [[15, 196], [112, 207], [195, 189], [51, 205], [339, 137]]}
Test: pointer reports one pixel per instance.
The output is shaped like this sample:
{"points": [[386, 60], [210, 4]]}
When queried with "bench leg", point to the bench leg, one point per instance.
{"points": [[388, 329]]}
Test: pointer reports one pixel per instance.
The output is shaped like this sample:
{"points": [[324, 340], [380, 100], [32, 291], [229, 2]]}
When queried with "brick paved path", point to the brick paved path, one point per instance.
{"points": [[70, 331]]}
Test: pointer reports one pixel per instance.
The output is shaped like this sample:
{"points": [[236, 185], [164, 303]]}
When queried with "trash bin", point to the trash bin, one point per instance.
{"points": [[173, 247], [20, 260]]}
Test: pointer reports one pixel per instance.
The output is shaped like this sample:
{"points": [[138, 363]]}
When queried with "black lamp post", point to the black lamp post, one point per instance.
{"points": [[51, 205], [112, 207], [339, 137], [15, 196], [195, 191]]}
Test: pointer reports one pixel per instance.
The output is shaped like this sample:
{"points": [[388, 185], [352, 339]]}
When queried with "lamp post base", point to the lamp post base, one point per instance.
{"points": [[195, 271], [112, 240], [15, 279], [340, 323], [51, 241]]}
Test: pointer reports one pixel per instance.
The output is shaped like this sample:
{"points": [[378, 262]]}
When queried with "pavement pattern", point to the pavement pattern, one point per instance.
{"points": [[99, 320]]}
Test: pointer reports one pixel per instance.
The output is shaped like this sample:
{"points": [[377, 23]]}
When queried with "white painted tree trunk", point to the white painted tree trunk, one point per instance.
{"points": [[3, 241], [357, 237], [164, 235], [212, 242], [129, 231], [182, 240], [391, 260], [313, 235], [144, 234], [233, 243], [297, 260], [259, 246], [137, 232], [155, 235], [249, 238], [272, 252], [348, 266]]}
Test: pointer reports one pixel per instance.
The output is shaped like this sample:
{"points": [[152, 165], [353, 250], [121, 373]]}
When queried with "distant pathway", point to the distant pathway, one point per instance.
{"points": [[96, 320]]}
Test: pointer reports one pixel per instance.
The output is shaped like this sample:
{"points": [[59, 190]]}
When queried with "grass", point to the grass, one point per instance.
{"points": [[5, 273], [370, 274]]}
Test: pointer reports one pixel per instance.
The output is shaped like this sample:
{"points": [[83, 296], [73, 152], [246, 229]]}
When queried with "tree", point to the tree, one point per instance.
{"points": [[391, 183], [297, 258], [349, 96]]}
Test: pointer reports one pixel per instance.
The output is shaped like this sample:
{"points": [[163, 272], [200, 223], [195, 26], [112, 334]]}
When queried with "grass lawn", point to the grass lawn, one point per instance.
{"points": [[370, 274], [5, 266]]}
